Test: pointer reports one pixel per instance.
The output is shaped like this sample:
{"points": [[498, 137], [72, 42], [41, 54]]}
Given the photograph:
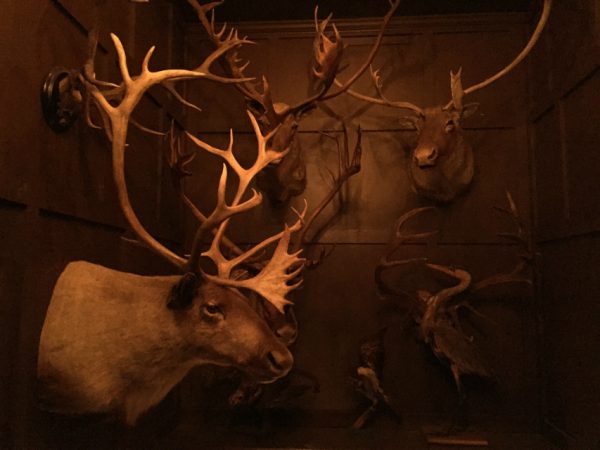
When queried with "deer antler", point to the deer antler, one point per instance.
{"points": [[347, 168], [526, 50], [272, 281], [117, 118], [455, 81], [398, 238], [525, 255], [328, 55], [381, 99]]}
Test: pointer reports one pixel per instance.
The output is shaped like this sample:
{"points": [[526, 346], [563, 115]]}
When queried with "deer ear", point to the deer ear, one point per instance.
{"points": [[408, 122], [469, 109], [183, 292]]}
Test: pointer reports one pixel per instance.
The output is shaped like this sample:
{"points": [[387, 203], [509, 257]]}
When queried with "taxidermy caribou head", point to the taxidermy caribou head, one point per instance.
{"points": [[441, 164], [286, 177], [115, 342]]}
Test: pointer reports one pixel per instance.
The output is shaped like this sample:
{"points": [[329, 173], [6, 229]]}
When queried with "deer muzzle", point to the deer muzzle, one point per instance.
{"points": [[425, 157], [276, 364]]}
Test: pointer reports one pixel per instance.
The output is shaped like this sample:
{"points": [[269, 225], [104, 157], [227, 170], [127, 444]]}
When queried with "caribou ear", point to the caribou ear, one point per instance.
{"points": [[183, 292], [469, 109], [408, 122]]}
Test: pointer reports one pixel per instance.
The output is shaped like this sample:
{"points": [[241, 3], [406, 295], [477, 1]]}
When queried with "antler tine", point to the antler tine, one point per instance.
{"points": [[328, 55], [116, 106], [230, 61], [525, 257], [526, 50], [178, 160], [366, 64], [272, 282], [219, 217], [398, 238], [382, 99]]}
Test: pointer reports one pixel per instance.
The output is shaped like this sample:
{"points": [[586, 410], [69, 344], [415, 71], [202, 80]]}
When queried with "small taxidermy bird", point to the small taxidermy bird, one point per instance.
{"points": [[368, 378]]}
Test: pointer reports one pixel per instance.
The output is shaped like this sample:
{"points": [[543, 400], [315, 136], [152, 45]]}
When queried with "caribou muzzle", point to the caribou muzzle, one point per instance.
{"points": [[425, 157]]}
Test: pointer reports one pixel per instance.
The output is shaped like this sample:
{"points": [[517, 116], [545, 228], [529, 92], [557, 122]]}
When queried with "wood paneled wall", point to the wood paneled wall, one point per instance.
{"points": [[338, 305], [565, 112], [57, 200]]}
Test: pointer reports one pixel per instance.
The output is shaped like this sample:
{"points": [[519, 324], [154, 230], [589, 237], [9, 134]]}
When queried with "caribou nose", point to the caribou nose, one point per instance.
{"points": [[426, 157], [280, 361]]}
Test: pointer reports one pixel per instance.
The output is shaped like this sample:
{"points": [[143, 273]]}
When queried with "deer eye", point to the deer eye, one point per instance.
{"points": [[212, 311], [450, 126]]}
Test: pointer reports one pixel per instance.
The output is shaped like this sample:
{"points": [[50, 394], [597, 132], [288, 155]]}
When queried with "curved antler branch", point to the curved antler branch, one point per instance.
{"points": [[382, 99], [526, 50]]}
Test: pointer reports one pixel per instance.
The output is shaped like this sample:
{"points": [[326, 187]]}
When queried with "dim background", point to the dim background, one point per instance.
{"points": [[535, 134]]}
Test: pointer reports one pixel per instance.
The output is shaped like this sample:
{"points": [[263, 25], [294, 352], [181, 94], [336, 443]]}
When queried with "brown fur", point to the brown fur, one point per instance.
{"points": [[441, 166], [111, 344]]}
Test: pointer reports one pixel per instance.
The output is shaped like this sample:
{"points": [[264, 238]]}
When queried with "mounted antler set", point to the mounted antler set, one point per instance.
{"points": [[437, 313], [286, 177], [441, 165]]}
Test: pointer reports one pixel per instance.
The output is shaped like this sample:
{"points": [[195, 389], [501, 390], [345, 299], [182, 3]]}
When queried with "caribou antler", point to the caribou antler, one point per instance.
{"points": [[455, 79], [117, 117], [272, 281], [116, 102], [520, 57]]}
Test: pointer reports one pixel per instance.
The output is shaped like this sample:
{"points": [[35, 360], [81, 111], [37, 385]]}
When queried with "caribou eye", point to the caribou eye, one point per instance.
{"points": [[212, 311], [450, 126]]}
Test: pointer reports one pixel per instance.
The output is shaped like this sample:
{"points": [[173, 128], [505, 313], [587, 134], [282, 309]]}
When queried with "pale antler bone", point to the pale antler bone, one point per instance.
{"points": [[272, 280], [132, 89], [526, 50]]}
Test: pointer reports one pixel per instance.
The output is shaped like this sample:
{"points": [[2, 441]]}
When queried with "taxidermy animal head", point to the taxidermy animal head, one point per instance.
{"points": [[441, 164], [286, 177], [115, 342]]}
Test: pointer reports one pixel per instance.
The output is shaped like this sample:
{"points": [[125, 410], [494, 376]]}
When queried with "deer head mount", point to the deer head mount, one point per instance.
{"points": [[441, 165], [437, 313], [286, 177], [118, 342]]}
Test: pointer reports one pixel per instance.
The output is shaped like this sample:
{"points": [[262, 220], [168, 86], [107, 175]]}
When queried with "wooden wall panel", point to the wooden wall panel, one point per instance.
{"points": [[583, 160], [551, 195], [570, 289], [565, 108]]}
